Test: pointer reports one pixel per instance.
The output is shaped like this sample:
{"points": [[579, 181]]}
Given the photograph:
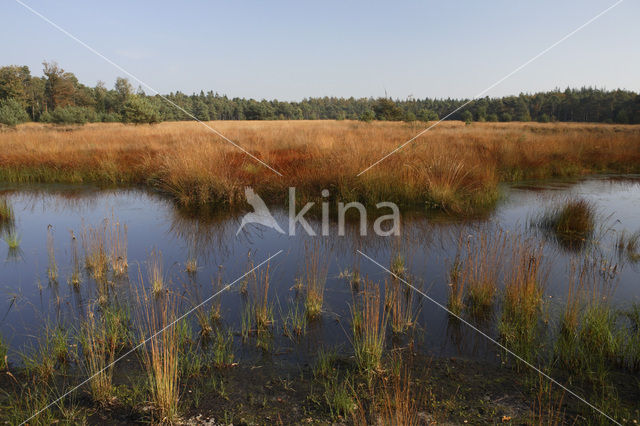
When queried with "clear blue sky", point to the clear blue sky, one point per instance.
{"points": [[291, 50]]}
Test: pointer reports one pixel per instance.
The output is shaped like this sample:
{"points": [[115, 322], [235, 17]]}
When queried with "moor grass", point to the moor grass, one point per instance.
{"points": [[452, 167]]}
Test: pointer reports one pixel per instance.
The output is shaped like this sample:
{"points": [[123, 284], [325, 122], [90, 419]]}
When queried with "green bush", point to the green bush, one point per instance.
{"points": [[12, 113], [367, 116], [139, 110], [544, 118], [110, 117], [467, 117], [70, 115], [409, 117]]}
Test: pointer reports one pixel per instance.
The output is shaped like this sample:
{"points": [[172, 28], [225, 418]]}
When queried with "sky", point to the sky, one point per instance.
{"points": [[290, 50]]}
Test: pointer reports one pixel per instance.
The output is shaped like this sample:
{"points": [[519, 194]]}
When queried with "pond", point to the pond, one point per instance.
{"points": [[49, 217]]}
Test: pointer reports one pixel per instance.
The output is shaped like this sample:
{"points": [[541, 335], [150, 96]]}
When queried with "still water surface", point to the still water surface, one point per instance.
{"points": [[428, 243]]}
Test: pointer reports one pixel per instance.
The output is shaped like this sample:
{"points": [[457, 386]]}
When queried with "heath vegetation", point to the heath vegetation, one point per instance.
{"points": [[453, 167]]}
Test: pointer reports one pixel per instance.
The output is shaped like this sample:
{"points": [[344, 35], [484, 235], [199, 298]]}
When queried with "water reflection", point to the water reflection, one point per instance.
{"points": [[428, 246]]}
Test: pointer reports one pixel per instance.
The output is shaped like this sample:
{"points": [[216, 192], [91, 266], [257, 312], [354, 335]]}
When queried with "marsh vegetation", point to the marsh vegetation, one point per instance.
{"points": [[319, 333]]}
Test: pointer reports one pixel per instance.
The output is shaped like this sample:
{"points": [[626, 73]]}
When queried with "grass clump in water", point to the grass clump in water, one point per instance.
{"points": [[369, 323], [99, 353], [524, 286], [222, 347], [295, 322], [572, 223], [160, 355], [400, 305], [50, 353], [12, 238], [154, 271], [315, 279], [588, 343], [477, 271]]}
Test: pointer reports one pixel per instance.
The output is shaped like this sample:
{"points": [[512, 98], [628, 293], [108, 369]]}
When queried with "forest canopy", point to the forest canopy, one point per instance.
{"points": [[58, 97]]}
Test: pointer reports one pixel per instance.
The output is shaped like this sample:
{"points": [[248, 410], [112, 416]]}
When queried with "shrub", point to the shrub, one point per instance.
{"points": [[139, 110], [71, 115], [427, 115], [410, 117], [367, 116], [110, 117], [12, 113], [544, 118]]}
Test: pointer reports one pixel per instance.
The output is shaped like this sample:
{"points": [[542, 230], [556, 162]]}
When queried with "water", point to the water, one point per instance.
{"points": [[29, 302]]}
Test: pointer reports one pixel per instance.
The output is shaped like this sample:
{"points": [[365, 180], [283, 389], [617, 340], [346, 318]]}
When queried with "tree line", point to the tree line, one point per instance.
{"points": [[58, 97]]}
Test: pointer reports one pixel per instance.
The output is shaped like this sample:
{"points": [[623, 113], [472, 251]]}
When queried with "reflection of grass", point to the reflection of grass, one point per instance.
{"points": [[52, 269], [6, 213], [572, 223], [628, 245], [455, 301]]}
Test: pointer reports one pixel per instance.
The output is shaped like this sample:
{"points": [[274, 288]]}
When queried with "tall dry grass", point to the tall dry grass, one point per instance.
{"points": [[161, 353], [452, 167]]}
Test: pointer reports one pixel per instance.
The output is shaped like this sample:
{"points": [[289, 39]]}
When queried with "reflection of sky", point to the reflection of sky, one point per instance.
{"points": [[428, 247]]}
